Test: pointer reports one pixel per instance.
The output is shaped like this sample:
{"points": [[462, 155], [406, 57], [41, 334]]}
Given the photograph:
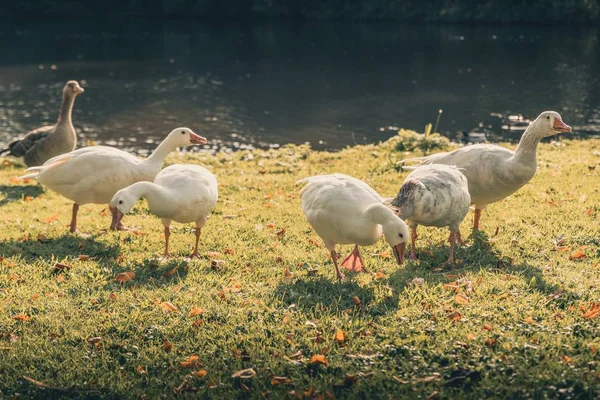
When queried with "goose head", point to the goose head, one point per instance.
{"points": [[396, 234], [124, 200], [181, 137], [72, 88], [550, 123]]}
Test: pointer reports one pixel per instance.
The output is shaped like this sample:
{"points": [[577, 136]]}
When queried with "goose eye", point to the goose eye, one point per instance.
{"points": [[547, 117], [401, 235], [183, 132], [120, 201]]}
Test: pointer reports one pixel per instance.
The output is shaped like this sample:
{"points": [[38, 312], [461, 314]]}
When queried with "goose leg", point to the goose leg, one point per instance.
{"points": [[354, 261], [413, 238], [476, 219], [195, 252], [452, 240], [334, 257], [73, 227], [167, 224]]}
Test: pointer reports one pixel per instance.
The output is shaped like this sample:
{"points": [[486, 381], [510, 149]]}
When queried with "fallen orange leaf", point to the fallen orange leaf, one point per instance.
{"points": [[195, 311], [287, 273], [461, 299], [385, 254], [201, 373], [340, 337], [167, 346], [190, 362], [530, 321], [318, 359], [488, 327], [21, 317], [567, 359], [58, 267], [124, 276], [379, 275], [140, 369], [577, 255], [51, 218], [593, 312], [489, 342], [356, 301], [455, 316], [84, 257], [168, 307], [278, 380]]}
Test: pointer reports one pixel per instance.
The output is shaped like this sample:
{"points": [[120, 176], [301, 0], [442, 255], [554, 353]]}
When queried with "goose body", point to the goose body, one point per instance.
{"points": [[180, 193], [41, 144], [434, 195], [95, 174], [345, 210], [493, 172]]}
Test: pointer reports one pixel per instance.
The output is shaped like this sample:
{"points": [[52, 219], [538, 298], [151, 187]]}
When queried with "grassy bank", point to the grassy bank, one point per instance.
{"points": [[514, 318]]}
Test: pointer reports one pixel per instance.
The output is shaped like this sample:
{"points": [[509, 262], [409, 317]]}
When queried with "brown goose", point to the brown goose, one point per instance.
{"points": [[46, 142]]}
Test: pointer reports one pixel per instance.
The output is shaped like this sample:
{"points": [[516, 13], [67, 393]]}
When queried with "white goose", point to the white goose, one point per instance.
{"points": [[94, 174], [182, 193], [494, 172], [345, 210], [434, 195]]}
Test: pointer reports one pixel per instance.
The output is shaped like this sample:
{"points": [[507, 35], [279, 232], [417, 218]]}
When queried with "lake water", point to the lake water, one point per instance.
{"points": [[330, 84]]}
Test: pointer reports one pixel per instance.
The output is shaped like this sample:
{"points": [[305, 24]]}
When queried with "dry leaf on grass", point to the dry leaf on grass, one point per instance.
{"points": [[191, 362], [244, 374], [167, 346], [461, 299], [356, 301], [201, 373], [287, 273], [123, 277], [340, 337], [318, 359], [58, 267], [455, 316], [196, 311], [51, 218], [385, 254], [168, 307], [593, 312], [21, 317], [530, 321], [278, 380], [577, 254], [489, 342], [84, 257], [488, 327]]}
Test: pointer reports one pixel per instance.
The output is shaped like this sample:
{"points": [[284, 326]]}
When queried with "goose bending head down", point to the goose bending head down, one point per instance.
{"points": [[180, 193], [345, 210], [494, 172], [46, 142], [94, 174], [434, 195]]}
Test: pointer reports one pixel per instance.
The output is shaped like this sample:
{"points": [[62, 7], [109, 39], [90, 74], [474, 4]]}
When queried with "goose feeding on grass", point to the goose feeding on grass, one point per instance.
{"points": [[434, 195], [94, 174], [43, 143], [494, 172], [345, 210], [180, 193]]}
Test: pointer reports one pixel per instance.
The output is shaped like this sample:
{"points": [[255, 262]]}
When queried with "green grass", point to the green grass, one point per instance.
{"points": [[401, 340]]}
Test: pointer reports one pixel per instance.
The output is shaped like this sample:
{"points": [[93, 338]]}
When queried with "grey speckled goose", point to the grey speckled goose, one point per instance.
{"points": [[434, 195], [46, 142], [494, 172]]}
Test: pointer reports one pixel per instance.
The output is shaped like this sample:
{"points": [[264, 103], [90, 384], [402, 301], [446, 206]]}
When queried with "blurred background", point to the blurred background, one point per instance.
{"points": [[260, 73]]}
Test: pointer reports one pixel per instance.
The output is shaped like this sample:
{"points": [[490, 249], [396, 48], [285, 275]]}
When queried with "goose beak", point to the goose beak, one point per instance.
{"points": [[78, 90], [560, 126], [197, 139], [399, 251]]}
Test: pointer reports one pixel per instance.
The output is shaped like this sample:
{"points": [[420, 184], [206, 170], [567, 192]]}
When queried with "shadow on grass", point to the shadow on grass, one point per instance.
{"points": [[479, 253], [16, 193], [318, 293], [34, 249]]}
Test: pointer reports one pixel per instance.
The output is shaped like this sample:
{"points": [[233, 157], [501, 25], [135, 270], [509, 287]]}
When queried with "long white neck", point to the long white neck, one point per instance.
{"points": [[161, 152], [379, 213], [159, 198], [66, 107], [527, 148]]}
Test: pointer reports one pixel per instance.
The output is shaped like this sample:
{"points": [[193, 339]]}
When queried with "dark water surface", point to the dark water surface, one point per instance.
{"points": [[273, 83]]}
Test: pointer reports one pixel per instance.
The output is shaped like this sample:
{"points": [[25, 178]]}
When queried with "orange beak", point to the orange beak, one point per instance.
{"points": [[399, 251], [78, 90], [197, 139], [560, 126]]}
